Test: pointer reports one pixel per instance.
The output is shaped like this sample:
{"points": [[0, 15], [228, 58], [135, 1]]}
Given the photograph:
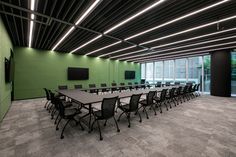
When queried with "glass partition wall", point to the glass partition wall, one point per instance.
{"points": [[183, 70]]}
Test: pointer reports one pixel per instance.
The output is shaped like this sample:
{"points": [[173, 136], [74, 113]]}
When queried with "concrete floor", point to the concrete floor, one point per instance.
{"points": [[202, 127]]}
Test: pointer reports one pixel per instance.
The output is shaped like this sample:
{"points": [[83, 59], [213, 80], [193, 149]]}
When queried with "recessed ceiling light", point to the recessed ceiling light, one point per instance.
{"points": [[90, 41], [195, 44], [177, 19], [180, 41], [133, 16], [106, 54], [84, 15], [198, 48], [189, 30], [126, 20], [118, 42], [128, 53], [32, 5]]}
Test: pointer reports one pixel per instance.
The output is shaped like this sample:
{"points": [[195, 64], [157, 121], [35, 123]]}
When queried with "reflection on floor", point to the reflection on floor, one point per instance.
{"points": [[204, 126]]}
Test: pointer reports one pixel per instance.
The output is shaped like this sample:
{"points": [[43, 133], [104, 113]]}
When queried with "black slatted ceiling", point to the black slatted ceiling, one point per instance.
{"points": [[58, 16]]}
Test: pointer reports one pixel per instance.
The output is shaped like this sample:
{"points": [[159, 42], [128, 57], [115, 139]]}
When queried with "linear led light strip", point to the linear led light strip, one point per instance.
{"points": [[130, 47], [189, 30], [181, 41], [187, 54], [86, 13], [120, 24], [118, 42], [222, 44], [32, 5], [129, 53], [177, 19], [169, 22], [200, 43], [172, 57]]}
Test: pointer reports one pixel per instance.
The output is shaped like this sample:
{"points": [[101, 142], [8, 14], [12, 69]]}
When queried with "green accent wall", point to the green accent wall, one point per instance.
{"points": [[5, 89], [36, 69]]}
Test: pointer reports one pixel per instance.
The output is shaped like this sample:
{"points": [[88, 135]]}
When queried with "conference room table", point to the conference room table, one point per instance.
{"points": [[87, 99]]}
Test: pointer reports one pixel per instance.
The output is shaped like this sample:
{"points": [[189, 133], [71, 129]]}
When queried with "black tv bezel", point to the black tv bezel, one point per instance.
{"points": [[78, 79]]}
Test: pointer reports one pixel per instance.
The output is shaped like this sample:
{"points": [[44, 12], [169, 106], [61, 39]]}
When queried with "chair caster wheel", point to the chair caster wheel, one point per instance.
{"points": [[118, 130], [129, 126], [140, 121], [147, 117], [57, 128], [62, 137], [104, 124], [101, 138]]}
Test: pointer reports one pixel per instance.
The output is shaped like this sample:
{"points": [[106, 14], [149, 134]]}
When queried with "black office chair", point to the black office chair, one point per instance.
{"points": [[148, 102], [158, 84], [62, 87], [122, 87], [114, 87], [78, 86], [104, 89], [197, 90], [131, 107], [107, 111], [167, 84], [47, 97], [147, 85], [67, 114], [161, 100], [93, 90], [170, 97], [136, 85], [130, 86], [177, 83], [177, 95]]}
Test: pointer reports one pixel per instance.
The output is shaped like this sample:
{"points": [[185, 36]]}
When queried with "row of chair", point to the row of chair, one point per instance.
{"points": [[153, 101], [104, 85]]}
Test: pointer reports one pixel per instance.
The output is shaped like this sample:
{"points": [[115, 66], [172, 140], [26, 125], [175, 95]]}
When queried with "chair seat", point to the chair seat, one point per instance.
{"points": [[71, 112], [98, 113], [157, 98], [143, 102], [124, 107]]}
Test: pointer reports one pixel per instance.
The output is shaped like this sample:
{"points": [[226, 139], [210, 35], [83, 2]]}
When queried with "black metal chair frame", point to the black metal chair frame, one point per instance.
{"points": [[105, 115], [149, 101], [132, 106]]}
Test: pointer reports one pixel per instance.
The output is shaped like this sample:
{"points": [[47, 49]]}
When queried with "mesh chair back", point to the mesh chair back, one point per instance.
{"points": [[113, 84], [134, 101], [52, 96], [62, 87], [108, 107], [150, 96], [60, 107], [92, 86], [130, 83], [163, 94], [177, 83], [103, 84], [189, 89], [172, 92], [122, 84], [167, 83], [47, 93], [179, 89], [135, 82], [78, 87], [158, 84], [189, 83]]}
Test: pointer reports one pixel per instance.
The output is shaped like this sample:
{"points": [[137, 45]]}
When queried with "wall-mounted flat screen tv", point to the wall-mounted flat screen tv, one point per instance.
{"points": [[74, 73], [129, 75], [9, 70]]}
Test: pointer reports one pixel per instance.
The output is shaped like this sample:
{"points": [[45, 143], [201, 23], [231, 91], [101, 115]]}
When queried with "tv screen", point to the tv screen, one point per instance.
{"points": [[7, 70], [74, 73], [129, 75]]}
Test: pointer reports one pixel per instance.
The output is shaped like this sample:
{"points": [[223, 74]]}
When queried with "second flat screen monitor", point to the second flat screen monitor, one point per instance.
{"points": [[74, 73], [129, 75]]}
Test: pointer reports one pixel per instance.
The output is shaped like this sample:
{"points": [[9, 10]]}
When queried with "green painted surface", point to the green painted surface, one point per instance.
{"points": [[5, 89], [36, 69]]}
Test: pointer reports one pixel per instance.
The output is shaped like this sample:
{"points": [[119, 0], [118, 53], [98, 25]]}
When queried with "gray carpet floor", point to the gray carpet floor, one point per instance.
{"points": [[202, 127]]}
